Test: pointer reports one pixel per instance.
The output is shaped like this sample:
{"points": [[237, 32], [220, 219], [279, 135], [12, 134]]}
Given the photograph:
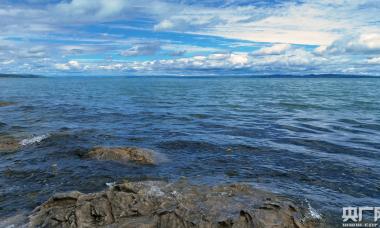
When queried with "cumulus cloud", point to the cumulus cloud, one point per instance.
{"points": [[96, 8], [70, 65], [276, 49], [365, 43], [164, 25], [35, 35], [375, 61], [295, 57], [112, 67]]}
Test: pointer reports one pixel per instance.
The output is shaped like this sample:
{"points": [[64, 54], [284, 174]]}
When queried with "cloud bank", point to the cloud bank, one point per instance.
{"points": [[189, 37]]}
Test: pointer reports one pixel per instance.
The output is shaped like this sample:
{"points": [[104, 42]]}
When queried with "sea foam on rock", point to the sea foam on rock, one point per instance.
{"points": [[33, 140], [126, 154], [177, 205]]}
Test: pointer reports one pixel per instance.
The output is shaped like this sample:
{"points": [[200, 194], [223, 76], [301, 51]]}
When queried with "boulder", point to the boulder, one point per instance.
{"points": [[8, 143], [161, 204], [6, 103], [124, 154]]}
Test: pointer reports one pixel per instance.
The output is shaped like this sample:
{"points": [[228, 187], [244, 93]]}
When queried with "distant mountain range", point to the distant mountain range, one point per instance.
{"points": [[19, 76]]}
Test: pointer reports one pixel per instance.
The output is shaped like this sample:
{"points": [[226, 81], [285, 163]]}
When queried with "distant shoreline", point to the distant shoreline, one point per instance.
{"points": [[193, 76], [20, 76]]}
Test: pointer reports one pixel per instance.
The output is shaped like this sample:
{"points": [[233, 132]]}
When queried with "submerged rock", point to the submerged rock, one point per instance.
{"points": [[6, 103], [160, 204], [8, 143], [124, 154]]}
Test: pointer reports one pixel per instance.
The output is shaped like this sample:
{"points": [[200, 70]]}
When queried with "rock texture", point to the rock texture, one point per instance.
{"points": [[160, 204], [6, 103], [124, 154], [8, 144]]}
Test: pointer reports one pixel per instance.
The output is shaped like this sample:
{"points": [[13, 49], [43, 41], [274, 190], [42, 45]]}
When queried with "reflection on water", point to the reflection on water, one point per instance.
{"points": [[311, 139]]}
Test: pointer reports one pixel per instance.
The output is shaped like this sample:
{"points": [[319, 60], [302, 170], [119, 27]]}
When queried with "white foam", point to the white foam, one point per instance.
{"points": [[155, 191], [313, 212], [111, 184], [33, 140]]}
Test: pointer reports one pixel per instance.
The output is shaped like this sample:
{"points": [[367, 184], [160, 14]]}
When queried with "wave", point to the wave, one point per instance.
{"points": [[313, 213], [33, 140]]}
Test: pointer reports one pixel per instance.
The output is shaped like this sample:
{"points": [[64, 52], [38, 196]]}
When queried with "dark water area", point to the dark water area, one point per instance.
{"points": [[314, 140]]}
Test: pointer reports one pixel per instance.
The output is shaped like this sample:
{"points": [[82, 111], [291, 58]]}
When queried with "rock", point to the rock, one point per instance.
{"points": [[124, 154], [8, 143], [161, 204], [19, 220], [6, 103]]}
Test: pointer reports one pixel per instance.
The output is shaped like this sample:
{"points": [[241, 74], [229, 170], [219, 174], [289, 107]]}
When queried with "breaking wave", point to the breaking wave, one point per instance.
{"points": [[34, 140]]}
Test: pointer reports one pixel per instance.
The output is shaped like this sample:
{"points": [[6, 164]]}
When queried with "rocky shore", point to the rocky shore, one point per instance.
{"points": [[8, 143], [161, 204], [149, 204]]}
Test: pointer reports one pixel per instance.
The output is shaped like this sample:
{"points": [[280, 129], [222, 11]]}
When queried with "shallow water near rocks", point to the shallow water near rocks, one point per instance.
{"points": [[313, 140]]}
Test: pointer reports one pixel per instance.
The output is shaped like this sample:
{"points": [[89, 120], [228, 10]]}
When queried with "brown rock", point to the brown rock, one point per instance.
{"points": [[160, 204], [6, 103], [8, 143], [124, 154]]}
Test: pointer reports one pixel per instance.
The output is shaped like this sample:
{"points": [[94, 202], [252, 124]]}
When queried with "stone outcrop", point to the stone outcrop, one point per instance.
{"points": [[8, 144], [160, 204], [6, 103], [124, 154]]}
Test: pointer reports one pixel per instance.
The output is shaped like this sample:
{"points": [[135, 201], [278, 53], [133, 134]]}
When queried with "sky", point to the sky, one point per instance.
{"points": [[189, 37]]}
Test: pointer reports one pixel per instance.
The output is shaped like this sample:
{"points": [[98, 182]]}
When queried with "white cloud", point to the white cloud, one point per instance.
{"points": [[346, 32], [70, 65], [294, 57], [96, 8], [164, 25], [276, 49], [7, 62], [311, 22], [240, 59], [112, 67], [364, 43], [374, 61]]}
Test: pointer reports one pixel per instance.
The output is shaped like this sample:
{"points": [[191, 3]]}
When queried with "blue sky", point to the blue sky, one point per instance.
{"points": [[189, 37]]}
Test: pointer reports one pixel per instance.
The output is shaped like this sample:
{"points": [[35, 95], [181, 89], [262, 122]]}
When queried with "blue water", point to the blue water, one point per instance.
{"points": [[314, 140]]}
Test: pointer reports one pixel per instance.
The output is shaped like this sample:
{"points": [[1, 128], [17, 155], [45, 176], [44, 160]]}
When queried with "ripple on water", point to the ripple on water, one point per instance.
{"points": [[2, 124], [306, 138], [188, 144]]}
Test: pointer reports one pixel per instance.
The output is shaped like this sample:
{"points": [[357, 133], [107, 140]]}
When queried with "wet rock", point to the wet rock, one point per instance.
{"points": [[8, 143], [124, 154], [161, 204], [19, 220], [6, 103]]}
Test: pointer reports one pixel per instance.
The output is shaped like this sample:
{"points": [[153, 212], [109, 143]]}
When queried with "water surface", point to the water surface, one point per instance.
{"points": [[314, 140]]}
